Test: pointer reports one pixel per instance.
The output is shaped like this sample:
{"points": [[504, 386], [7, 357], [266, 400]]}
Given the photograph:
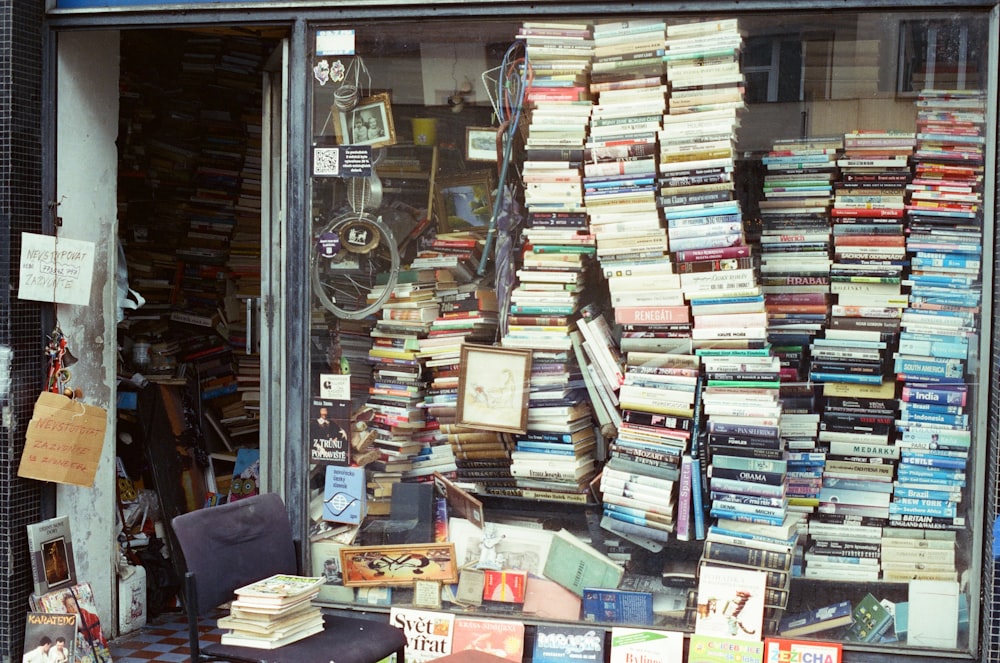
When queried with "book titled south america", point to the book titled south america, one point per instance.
{"points": [[648, 645], [714, 649], [576, 565], [568, 644], [344, 495]]}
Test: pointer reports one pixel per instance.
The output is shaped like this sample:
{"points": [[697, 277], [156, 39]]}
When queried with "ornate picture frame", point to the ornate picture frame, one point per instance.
{"points": [[368, 123], [493, 388]]}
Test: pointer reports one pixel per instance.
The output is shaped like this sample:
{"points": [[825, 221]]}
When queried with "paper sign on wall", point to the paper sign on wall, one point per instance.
{"points": [[64, 441], [55, 269]]}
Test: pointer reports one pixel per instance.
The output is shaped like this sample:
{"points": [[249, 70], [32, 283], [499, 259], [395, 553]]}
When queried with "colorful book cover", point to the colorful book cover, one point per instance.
{"points": [[91, 644], [616, 606], [344, 495], [649, 646], [730, 602], [246, 474], [428, 634], [784, 650], [49, 637], [51, 546], [502, 638], [329, 441], [715, 649], [871, 620], [561, 644]]}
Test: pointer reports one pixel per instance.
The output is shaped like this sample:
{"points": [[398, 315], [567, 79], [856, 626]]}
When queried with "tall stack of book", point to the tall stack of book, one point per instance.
{"points": [[846, 549], [909, 554], [945, 243], [559, 55], [398, 384], [795, 245], [620, 155], [643, 474]]}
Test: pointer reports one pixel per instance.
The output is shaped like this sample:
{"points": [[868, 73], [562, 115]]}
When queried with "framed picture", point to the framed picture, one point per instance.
{"points": [[493, 388], [481, 144], [464, 201], [398, 564], [368, 123]]}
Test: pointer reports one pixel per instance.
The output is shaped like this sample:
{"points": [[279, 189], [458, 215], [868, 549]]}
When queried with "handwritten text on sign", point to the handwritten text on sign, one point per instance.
{"points": [[55, 269], [64, 441]]}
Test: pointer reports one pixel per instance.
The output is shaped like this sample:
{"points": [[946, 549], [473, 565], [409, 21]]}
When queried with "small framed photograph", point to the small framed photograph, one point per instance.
{"points": [[464, 201], [398, 564], [493, 388], [481, 144], [368, 123]]}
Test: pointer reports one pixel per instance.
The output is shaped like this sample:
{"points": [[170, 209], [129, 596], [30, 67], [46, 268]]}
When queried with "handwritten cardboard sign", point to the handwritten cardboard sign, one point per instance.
{"points": [[64, 441], [55, 269]]}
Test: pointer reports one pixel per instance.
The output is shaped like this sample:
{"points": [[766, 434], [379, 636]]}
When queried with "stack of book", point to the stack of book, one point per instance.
{"points": [[482, 458], [846, 548], [795, 245], [926, 554], [273, 612], [620, 155], [559, 54], [945, 244]]}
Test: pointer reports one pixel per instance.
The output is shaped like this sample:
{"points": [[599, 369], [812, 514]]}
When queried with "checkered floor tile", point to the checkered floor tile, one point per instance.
{"points": [[165, 638]]}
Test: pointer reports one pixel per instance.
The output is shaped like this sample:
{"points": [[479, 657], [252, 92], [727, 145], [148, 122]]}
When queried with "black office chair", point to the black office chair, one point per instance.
{"points": [[229, 546]]}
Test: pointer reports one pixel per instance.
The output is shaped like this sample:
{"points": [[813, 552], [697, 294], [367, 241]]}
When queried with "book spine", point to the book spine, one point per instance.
{"points": [[684, 500]]}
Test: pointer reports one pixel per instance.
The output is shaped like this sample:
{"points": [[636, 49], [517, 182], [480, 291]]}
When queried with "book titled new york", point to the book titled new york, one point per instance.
{"points": [[650, 646], [568, 644], [730, 602]]}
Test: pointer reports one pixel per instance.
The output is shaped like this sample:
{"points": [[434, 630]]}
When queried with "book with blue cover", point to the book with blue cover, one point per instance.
{"points": [[559, 644], [344, 495]]}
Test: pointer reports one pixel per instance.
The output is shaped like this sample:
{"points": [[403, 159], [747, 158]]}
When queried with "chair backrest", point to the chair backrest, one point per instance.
{"points": [[232, 545]]}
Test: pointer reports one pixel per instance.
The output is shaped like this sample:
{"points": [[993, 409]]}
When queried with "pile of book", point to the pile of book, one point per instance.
{"points": [[795, 245], [273, 612], [945, 245], [559, 55]]}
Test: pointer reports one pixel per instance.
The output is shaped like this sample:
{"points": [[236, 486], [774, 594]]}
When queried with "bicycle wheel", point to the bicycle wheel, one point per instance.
{"points": [[349, 253]]}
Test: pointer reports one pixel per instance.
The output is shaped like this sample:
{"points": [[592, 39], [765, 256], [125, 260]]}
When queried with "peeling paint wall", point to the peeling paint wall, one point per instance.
{"points": [[86, 176]]}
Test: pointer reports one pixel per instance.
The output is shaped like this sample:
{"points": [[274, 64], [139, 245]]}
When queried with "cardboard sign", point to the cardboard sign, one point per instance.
{"points": [[55, 269], [64, 441]]}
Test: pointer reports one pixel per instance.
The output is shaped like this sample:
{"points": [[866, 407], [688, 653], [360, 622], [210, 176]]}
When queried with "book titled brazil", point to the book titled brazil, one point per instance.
{"points": [[730, 602], [714, 649], [784, 650], [344, 495], [562, 644]]}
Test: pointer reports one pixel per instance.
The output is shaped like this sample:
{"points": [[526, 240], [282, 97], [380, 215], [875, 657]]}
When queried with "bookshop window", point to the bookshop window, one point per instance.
{"points": [[690, 304]]}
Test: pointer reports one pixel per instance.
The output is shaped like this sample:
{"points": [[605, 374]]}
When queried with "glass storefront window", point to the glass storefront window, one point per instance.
{"points": [[731, 268]]}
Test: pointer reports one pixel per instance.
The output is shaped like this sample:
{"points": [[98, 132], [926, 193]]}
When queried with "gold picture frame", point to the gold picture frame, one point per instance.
{"points": [[398, 564], [465, 201], [481, 144], [368, 123], [493, 388]]}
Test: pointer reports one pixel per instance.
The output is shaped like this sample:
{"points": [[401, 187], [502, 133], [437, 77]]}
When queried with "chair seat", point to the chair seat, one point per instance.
{"points": [[343, 640]]}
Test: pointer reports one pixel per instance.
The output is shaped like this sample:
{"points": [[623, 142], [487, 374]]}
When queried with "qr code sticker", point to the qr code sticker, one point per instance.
{"points": [[326, 162]]}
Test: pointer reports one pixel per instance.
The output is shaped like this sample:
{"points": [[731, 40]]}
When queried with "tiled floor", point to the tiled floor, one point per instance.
{"points": [[165, 638]]}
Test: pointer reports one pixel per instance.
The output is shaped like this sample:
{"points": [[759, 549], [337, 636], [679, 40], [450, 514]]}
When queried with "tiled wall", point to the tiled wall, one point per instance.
{"points": [[21, 210]]}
